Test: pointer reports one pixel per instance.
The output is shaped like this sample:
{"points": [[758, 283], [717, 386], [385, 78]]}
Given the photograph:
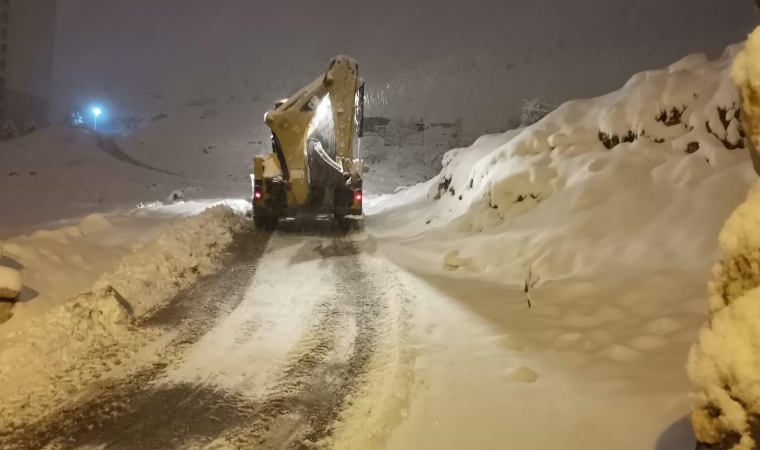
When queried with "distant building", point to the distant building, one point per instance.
{"points": [[27, 35], [5, 7]]}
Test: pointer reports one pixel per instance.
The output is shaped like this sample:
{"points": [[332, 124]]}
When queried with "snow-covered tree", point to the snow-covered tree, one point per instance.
{"points": [[533, 111], [724, 365], [8, 130], [31, 126], [513, 123]]}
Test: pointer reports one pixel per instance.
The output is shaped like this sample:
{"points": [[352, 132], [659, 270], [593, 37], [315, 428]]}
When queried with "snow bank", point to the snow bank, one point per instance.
{"points": [[62, 340], [723, 364], [639, 179], [613, 205], [181, 254]]}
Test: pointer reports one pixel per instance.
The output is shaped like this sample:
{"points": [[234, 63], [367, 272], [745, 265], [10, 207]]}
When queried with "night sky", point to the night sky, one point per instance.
{"points": [[439, 60]]}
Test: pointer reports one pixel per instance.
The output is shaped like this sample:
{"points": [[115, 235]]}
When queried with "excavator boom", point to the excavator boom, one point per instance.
{"points": [[314, 166]]}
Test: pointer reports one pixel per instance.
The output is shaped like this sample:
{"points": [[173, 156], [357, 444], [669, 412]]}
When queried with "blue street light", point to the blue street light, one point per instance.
{"points": [[96, 112]]}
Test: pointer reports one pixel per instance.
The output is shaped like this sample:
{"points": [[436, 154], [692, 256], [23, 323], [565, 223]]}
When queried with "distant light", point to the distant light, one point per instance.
{"points": [[358, 196], [257, 194], [97, 111]]}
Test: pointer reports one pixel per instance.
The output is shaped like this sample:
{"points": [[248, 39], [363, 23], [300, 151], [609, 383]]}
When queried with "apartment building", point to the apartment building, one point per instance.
{"points": [[27, 34]]}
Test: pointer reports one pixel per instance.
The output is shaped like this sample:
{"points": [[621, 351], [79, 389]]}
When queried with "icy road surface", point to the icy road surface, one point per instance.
{"points": [[279, 349]]}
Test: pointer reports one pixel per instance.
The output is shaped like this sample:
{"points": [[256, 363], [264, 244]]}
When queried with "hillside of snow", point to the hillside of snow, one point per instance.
{"points": [[639, 178], [604, 216], [61, 173]]}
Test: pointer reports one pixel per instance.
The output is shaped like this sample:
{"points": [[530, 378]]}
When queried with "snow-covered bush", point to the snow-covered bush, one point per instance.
{"points": [[175, 196], [31, 126], [724, 365], [533, 111], [513, 123], [8, 130]]}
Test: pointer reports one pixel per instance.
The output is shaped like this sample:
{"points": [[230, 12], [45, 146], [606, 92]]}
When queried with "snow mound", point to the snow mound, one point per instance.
{"points": [[640, 178], [524, 375], [93, 223], [452, 261], [65, 338], [181, 254], [10, 283]]}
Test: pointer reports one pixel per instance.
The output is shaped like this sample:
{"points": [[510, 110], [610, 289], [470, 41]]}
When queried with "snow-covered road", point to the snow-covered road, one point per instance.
{"points": [[298, 339]]}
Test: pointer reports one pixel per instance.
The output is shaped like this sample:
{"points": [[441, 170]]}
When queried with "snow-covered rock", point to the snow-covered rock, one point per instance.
{"points": [[10, 283], [175, 196]]}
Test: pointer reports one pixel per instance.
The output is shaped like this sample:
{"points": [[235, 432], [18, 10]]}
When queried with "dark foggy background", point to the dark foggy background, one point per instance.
{"points": [[439, 60]]}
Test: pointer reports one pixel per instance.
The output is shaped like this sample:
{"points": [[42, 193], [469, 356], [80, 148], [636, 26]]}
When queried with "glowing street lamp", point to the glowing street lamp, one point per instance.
{"points": [[96, 112]]}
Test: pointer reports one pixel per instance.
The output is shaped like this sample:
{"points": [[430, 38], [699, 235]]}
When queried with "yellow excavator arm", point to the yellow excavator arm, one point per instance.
{"points": [[315, 164]]}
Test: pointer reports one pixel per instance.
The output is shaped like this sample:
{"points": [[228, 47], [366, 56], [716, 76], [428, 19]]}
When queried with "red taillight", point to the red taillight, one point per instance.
{"points": [[257, 195], [358, 196]]}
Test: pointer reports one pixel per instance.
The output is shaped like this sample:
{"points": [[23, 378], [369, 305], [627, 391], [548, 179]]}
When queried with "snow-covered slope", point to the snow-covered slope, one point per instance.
{"points": [[66, 173], [640, 178], [608, 212]]}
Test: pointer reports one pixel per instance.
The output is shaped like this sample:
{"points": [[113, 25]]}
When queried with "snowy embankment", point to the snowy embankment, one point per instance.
{"points": [[660, 163], [609, 211], [60, 350]]}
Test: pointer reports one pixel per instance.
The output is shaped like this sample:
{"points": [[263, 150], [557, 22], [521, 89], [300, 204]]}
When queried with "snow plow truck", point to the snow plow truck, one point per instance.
{"points": [[315, 166]]}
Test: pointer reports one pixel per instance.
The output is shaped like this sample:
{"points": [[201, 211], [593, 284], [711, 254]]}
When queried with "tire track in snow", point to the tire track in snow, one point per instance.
{"points": [[110, 148], [311, 393]]}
